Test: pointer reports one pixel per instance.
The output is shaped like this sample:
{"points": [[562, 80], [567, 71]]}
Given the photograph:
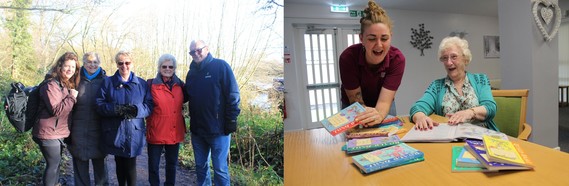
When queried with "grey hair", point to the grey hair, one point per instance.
{"points": [[88, 55], [167, 57], [195, 42], [462, 44], [123, 53]]}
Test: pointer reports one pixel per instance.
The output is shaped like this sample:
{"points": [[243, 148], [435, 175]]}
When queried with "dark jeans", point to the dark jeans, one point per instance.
{"points": [[81, 171], [171, 156], [126, 170], [51, 150]]}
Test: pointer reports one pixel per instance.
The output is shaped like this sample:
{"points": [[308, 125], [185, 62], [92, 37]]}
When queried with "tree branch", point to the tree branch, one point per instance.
{"points": [[34, 8]]}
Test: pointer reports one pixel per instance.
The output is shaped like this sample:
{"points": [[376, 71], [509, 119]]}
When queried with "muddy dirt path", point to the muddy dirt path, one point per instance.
{"points": [[184, 176]]}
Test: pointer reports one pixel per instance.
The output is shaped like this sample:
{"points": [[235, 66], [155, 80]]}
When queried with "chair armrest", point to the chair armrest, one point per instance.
{"points": [[526, 131]]}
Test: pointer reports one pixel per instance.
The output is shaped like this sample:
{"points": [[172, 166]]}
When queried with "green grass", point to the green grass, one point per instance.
{"points": [[20, 159]]}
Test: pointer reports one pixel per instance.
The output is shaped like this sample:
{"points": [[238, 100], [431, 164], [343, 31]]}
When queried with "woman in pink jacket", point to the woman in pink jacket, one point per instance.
{"points": [[165, 125], [58, 96]]}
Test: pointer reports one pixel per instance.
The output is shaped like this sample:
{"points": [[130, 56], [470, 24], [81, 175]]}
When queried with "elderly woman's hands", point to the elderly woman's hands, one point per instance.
{"points": [[460, 116], [370, 117]]}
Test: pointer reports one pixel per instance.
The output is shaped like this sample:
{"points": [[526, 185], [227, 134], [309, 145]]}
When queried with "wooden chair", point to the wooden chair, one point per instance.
{"points": [[511, 112]]}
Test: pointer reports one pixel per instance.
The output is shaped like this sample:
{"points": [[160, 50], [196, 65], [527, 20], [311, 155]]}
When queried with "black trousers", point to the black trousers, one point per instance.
{"points": [[51, 150], [81, 174], [126, 170]]}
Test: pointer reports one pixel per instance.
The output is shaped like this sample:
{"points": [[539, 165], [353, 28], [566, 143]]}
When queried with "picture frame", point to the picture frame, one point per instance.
{"points": [[491, 46]]}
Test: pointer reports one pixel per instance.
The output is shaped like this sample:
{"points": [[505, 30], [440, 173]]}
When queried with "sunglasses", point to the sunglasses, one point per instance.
{"points": [[165, 67], [122, 63], [199, 50]]}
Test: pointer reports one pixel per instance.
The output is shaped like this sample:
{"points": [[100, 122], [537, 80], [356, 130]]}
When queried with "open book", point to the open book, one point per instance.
{"points": [[448, 133]]}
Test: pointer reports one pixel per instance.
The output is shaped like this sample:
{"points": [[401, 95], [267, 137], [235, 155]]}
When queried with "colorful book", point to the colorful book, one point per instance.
{"points": [[457, 152], [397, 155], [368, 144], [504, 151], [466, 159], [476, 148], [447, 133], [375, 131], [343, 120]]}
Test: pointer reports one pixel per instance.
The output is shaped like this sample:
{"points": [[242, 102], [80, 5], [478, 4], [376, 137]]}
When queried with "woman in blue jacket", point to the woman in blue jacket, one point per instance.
{"points": [[460, 96], [123, 102]]}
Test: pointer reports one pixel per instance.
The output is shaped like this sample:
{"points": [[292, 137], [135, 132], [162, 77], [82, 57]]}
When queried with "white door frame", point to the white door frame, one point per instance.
{"points": [[340, 41]]}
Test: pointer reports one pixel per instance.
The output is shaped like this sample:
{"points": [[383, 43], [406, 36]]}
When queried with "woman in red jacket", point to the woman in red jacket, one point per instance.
{"points": [[165, 125], [58, 96]]}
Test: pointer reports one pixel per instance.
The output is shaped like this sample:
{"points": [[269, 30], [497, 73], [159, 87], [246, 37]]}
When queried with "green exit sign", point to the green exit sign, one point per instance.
{"points": [[339, 8], [356, 13]]}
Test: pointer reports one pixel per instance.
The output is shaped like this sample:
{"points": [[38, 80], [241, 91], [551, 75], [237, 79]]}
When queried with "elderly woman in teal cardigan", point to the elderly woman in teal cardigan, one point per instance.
{"points": [[460, 96]]}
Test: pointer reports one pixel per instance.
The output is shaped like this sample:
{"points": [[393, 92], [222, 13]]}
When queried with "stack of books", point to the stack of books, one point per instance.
{"points": [[495, 154], [378, 147]]}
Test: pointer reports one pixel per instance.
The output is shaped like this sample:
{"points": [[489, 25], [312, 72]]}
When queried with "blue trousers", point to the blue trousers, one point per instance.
{"points": [[171, 156], [216, 148]]}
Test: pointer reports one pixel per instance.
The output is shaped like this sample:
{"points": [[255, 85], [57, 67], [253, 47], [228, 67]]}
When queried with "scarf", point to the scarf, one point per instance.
{"points": [[91, 77]]}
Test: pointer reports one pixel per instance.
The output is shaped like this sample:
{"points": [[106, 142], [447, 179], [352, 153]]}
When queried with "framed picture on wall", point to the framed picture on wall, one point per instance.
{"points": [[491, 46]]}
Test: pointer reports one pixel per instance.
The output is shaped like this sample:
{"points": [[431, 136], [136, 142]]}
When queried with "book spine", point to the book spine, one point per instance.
{"points": [[418, 159], [344, 128], [394, 161], [367, 135], [523, 154], [372, 147]]}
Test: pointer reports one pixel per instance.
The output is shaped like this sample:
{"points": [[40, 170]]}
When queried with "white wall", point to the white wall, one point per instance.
{"points": [[564, 56], [531, 63], [419, 71]]}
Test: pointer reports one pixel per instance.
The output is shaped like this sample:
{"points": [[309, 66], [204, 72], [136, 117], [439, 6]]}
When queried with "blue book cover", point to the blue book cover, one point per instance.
{"points": [[343, 120], [458, 151], [397, 155], [476, 148], [466, 159]]}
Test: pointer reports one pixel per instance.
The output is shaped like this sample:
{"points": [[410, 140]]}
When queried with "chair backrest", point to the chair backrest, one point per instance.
{"points": [[510, 110]]}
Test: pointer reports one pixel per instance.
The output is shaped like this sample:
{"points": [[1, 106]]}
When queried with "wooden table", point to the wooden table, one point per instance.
{"points": [[314, 157]]}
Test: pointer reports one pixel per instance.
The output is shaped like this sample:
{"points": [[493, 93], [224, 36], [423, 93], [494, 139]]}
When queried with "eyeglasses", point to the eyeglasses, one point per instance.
{"points": [[199, 50], [92, 62], [122, 63], [452, 57], [170, 67]]}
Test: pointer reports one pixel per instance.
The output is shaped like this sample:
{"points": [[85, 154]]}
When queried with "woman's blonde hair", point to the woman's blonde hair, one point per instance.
{"points": [[374, 14]]}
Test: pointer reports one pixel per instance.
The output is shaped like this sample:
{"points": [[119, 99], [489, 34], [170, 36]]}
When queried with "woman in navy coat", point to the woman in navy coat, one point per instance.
{"points": [[123, 102]]}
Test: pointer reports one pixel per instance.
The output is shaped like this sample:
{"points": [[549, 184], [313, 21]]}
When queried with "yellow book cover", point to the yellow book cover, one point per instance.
{"points": [[504, 151]]}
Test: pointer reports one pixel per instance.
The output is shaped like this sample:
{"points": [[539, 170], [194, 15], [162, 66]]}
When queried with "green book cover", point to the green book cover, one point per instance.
{"points": [[455, 154]]}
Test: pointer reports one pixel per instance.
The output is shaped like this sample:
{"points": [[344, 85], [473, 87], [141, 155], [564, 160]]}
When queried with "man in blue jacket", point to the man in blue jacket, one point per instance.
{"points": [[213, 96]]}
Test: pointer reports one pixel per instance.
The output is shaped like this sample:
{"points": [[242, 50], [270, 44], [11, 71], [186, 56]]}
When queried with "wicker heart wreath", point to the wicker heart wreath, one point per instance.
{"points": [[546, 14]]}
